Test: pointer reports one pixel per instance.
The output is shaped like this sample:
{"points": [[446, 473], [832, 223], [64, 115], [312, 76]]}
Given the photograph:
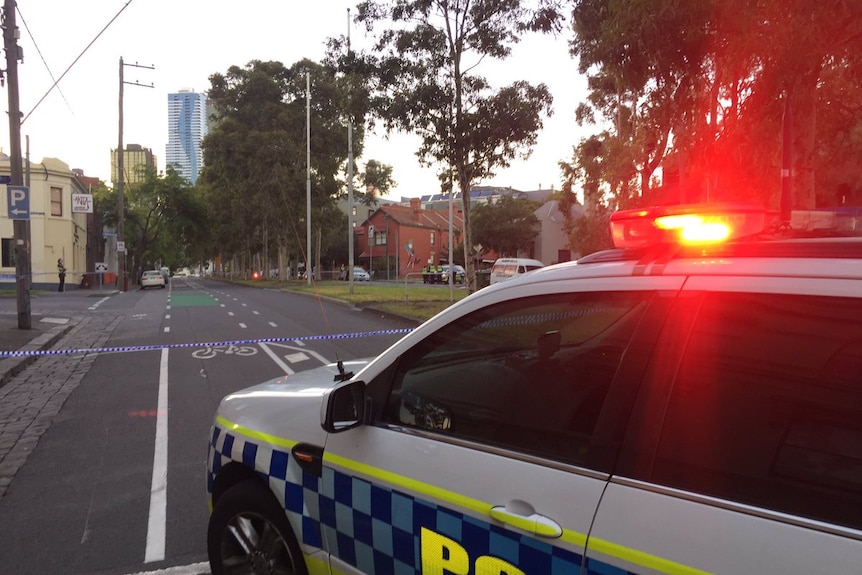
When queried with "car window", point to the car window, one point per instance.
{"points": [[529, 375], [767, 406]]}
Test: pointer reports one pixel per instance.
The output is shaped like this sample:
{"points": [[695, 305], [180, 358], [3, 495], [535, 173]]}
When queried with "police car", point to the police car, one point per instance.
{"points": [[689, 402]]}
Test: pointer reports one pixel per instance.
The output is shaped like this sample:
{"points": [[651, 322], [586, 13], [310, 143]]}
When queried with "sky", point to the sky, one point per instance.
{"points": [[186, 41]]}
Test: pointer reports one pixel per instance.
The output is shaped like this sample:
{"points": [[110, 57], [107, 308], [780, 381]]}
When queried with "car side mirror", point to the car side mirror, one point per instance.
{"points": [[345, 407]]}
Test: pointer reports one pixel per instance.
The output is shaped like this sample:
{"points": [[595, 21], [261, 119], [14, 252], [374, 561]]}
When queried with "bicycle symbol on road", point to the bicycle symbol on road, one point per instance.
{"points": [[211, 352]]}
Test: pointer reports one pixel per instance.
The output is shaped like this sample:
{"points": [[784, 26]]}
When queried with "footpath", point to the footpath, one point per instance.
{"points": [[34, 388]]}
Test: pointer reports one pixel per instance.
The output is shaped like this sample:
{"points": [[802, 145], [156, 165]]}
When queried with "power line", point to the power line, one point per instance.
{"points": [[38, 51], [84, 51]]}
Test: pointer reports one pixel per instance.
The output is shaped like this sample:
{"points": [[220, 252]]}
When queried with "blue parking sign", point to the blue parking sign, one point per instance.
{"points": [[18, 202]]}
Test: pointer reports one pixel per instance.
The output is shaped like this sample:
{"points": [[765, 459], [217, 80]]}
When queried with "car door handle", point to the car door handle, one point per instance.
{"points": [[521, 515]]}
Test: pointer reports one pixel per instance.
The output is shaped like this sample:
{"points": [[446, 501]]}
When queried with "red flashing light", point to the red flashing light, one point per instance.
{"points": [[255, 276], [707, 224]]}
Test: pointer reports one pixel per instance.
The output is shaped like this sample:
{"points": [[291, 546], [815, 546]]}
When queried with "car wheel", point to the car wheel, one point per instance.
{"points": [[249, 533]]}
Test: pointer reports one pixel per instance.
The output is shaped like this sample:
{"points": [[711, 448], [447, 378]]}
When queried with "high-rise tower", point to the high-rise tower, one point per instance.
{"points": [[187, 127]]}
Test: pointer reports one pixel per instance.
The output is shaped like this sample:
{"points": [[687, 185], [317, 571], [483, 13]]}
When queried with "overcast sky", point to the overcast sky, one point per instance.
{"points": [[188, 40]]}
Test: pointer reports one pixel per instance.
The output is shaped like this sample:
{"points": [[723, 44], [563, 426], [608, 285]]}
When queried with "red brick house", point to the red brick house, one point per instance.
{"points": [[405, 238]]}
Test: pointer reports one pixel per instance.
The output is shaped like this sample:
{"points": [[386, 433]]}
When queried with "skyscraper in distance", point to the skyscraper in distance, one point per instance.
{"points": [[187, 127]]}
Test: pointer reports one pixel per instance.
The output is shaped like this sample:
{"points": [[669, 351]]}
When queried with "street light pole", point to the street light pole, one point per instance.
{"points": [[308, 261]]}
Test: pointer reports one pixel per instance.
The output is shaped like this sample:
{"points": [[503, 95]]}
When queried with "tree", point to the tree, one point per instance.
{"points": [[422, 80], [255, 172], [377, 180], [507, 226], [701, 88], [164, 219]]}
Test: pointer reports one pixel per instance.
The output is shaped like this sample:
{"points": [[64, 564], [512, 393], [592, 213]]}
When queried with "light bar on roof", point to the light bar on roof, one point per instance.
{"points": [[700, 224]]}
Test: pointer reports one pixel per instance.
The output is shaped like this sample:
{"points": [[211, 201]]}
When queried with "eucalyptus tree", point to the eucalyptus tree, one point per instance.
{"points": [[422, 75], [701, 89], [255, 169]]}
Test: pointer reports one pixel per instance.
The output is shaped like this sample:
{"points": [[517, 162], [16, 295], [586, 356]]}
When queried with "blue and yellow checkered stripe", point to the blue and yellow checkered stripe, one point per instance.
{"points": [[378, 530], [373, 528]]}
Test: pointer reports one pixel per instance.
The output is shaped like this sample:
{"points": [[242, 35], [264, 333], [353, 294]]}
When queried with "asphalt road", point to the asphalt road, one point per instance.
{"points": [[110, 474]]}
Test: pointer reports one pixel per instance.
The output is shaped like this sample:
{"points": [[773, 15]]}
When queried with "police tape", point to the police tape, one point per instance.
{"points": [[354, 335]]}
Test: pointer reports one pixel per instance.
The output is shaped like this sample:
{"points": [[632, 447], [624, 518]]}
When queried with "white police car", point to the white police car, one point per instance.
{"points": [[684, 404]]}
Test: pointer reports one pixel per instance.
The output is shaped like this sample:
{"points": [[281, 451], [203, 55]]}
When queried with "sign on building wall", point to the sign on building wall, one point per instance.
{"points": [[82, 203]]}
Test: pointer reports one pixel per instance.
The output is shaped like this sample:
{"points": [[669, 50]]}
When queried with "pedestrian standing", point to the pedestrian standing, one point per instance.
{"points": [[61, 270]]}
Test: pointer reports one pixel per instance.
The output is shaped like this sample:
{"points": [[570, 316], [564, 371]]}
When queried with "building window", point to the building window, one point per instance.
{"points": [[432, 238], [380, 238], [56, 201], [8, 253]]}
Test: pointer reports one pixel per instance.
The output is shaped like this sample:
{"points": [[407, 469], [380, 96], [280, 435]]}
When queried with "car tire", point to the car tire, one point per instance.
{"points": [[249, 533]]}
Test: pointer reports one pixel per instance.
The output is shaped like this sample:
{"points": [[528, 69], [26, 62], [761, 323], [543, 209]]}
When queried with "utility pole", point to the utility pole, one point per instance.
{"points": [[21, 227], [121, 199]]}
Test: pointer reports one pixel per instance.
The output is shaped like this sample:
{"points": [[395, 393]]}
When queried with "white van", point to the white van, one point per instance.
{"points": [[507, 268]]}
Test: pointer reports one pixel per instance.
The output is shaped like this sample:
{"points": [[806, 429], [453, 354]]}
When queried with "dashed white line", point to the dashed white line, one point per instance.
{"points": [[243, 326], [167, 316], [245, 305], [230, 313], [256, 312], [167, 329], [98, 303], [273, 324]]}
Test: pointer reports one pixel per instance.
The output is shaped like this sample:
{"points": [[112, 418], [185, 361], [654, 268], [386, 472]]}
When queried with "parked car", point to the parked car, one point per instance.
{"points": [[359, 274], [459, 277], [153, 278], [680, 404], [507, 268]]}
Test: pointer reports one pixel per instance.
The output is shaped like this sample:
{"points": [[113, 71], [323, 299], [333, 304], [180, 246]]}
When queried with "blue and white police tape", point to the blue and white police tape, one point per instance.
{"points": [[204, 344]]}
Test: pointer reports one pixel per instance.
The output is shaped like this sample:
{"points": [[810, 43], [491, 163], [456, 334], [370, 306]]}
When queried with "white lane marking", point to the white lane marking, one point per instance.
{"points": [[222, 305], [98, 303], [296, 357], [167, 316], [230, 313], [298, 342], [157, 524], [272, 355], [256, 312], [273, 324], [245, 305], [310, 352], [169, 307], [193, 569], [167, 329], [243, 326]]}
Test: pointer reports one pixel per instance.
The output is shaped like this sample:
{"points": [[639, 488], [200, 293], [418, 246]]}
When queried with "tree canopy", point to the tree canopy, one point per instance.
{"points": [[165, 221], [422, 78], [255, 174], [701, 89], [506, 226]]}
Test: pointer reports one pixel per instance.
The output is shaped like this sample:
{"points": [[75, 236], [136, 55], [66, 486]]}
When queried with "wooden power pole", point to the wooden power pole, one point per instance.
{"points": [[21, 227]]}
